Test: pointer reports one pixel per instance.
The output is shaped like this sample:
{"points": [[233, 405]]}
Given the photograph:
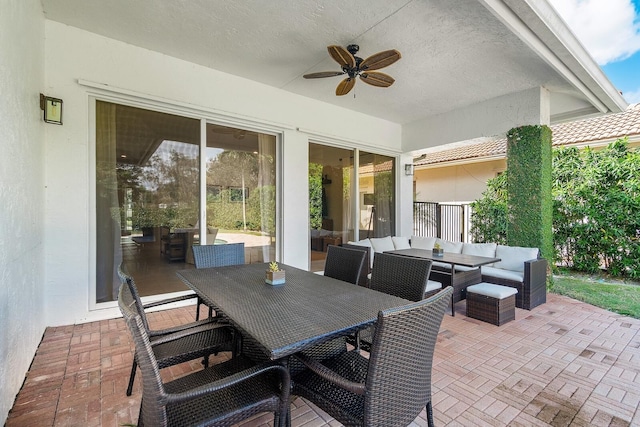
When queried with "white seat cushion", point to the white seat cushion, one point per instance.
{"points": [[382, 244], [321, 273], [480, 249], [516, 276], [441, 265], [491, 290], [513, 257], [366, 243], [421, 242], [432, 285], [463, 268], [451, 247], [400, 242]]}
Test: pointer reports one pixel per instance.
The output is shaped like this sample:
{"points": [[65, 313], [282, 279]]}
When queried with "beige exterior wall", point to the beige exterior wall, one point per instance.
{"points": [[459, 183], [466, 182]]}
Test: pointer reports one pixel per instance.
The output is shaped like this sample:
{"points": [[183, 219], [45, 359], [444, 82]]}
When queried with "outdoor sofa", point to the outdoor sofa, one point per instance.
{"points": [[519, 267]]}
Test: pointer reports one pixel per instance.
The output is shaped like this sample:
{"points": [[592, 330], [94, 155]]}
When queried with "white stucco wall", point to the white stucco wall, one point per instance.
{"points": [[73, 54], [21, 192]]}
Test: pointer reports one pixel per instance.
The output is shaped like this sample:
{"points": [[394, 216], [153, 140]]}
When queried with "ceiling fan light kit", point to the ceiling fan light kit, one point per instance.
{"points": [[354, 66]]}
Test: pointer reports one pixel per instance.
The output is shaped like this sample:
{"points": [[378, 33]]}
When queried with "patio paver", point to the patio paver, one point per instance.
{"points": [[564, 363]]}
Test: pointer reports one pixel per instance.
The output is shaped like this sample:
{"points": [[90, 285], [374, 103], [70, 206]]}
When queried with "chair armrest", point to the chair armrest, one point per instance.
{"points": [[236, 378], [185, 332], [331, 376], [535, 271], [191, 327], [169, 301]]}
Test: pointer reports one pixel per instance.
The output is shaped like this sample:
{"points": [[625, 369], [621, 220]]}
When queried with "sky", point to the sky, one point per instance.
{"points": [[610, 32]]}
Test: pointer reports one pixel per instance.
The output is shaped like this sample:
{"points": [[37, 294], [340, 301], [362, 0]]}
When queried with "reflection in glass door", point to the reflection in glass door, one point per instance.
{"points": [[330, 199], [147, 204], [148, 195], [376, 185], [241, 190]]}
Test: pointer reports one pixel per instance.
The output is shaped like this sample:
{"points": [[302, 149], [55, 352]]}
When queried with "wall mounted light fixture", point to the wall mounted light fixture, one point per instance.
{"points": [[408, 169], [52, 108]]}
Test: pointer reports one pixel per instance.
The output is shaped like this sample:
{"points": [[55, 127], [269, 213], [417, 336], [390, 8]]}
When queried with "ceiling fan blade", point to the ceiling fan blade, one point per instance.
{"points": [[376, 78], [380, 60], [342, 56], [323, 74], [345, 86]]}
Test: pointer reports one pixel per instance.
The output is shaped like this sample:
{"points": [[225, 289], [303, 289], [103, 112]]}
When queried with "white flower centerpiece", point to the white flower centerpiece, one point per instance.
{"points": [[275, 276]]}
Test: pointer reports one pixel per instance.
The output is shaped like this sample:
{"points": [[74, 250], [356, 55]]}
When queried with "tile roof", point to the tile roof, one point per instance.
{"points": [[605, 128]]}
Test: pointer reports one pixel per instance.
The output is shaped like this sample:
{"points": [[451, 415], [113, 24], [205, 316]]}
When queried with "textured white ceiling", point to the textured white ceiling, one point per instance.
{"points": [[454, 52]]}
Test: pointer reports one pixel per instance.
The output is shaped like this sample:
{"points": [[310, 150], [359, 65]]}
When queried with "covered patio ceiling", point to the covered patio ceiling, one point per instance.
{"points": [[455, 53]]}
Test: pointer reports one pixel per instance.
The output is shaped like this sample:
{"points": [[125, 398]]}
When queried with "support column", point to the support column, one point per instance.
{"points": [[529, 203]]}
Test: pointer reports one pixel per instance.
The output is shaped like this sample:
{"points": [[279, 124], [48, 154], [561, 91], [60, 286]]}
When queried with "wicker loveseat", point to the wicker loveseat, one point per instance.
{"points": [[523, 269], [519, 267]]}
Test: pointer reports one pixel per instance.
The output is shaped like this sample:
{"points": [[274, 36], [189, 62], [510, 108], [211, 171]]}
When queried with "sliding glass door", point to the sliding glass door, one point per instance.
{"points": [[376, 183], [332, 200], [241, 190], [148, 195]]}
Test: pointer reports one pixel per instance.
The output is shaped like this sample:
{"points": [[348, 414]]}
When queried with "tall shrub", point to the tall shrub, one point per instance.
{"points": [[597, 216], [489, 212], [596, 209]]}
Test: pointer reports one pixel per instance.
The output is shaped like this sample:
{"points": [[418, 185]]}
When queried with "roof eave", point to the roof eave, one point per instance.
{"points": [[538, 25]]}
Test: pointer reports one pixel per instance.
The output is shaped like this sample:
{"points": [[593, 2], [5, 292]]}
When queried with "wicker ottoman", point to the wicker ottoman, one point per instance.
{"points": [[491, 303]]}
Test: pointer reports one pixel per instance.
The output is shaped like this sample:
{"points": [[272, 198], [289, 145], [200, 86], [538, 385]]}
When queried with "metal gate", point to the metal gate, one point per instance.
{"points": [[448, 221]]}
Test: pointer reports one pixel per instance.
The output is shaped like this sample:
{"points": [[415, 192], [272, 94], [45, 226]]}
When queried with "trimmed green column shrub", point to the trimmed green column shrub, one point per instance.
{"points": [[529, 202]]}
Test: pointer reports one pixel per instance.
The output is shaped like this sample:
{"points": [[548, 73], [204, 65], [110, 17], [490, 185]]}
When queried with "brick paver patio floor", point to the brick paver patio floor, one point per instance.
{"points": [[564, 363]]}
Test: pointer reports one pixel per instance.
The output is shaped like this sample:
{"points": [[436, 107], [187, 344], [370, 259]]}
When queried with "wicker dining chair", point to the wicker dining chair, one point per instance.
{"points": [[365, 273], [181, 343], [393, 385], [205, 256], [401, 276], [344, 264], [220, 395], [397, 275]]}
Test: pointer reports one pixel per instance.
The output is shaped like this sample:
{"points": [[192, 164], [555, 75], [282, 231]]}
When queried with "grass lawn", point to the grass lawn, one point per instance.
{"points": [[610, 294]]}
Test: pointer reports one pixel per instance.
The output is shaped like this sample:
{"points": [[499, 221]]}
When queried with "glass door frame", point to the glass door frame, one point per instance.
{"points": [[356, 149], [161, 106]]}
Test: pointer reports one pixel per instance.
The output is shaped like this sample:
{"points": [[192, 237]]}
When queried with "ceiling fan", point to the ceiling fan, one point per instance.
{"points": [[354, 66]]}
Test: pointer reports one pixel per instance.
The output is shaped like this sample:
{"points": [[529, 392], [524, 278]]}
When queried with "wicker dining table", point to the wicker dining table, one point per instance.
{"points": [[308, 309]]}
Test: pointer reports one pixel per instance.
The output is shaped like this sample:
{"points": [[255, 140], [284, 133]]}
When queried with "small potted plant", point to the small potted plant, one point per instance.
{"points": [[437, 250], [275, 276]]}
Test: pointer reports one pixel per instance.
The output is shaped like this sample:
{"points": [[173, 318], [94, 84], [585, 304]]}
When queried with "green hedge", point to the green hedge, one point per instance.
{"points": [[596, 209], [529, 203]]}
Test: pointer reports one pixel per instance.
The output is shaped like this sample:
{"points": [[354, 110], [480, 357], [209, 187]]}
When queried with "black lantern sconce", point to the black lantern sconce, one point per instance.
{"points": [[52, 108]]}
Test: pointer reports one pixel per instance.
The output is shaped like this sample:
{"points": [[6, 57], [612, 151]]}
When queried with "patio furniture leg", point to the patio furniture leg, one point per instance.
{"points": [[453, 307], [430, 414], [132, 376]]}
